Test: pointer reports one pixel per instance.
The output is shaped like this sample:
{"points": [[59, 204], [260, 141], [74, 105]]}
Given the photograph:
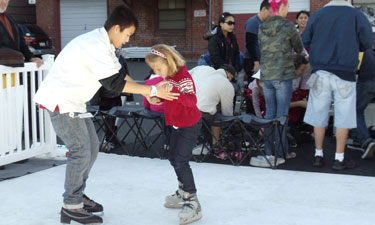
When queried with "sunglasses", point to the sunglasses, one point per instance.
{"points": [[230, 23]]}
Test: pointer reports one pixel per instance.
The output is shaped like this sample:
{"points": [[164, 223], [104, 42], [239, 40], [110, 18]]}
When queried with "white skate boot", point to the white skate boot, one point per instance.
{"points": [[175, 200], [191, 210]]}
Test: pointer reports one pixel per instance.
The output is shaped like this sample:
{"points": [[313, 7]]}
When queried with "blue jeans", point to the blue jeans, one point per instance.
{"points": [[277, 95], [365, 92], [182, 142], [79, 136]]}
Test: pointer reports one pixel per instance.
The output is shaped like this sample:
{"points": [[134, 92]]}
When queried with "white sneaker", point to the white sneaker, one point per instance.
{"points": [[175, 200], [369, 152], [191, 210], [197, 150], [260, 161]]}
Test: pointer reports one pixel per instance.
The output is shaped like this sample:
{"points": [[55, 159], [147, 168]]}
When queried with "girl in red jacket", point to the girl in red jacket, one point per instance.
{"points": [[184, 116]]}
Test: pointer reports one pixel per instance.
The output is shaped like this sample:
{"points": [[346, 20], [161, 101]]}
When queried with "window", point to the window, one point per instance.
{"points": [[171, 14]]}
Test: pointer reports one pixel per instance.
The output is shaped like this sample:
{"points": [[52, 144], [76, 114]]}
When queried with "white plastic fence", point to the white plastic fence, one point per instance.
{"points": [[25, 131]]}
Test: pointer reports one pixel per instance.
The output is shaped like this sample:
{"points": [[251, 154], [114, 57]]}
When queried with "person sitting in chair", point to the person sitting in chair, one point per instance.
{"points": [[215, 94]]}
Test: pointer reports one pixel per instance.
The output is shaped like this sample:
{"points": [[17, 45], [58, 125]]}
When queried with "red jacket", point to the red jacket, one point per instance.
{"points": [[182, 112]]}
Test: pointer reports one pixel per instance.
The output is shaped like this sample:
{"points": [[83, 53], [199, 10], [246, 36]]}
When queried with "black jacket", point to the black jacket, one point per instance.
{"points": [[217, 46], [18, 44], [367, 69]]}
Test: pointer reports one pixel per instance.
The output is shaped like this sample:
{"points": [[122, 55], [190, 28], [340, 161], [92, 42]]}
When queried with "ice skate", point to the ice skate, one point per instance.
{"points": [[191, 210], [80, 216], [175, 200], [92, 206]]}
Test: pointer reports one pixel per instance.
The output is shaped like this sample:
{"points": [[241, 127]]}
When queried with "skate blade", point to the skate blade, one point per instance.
{"points": [[171, 206], [101, 214], [77, 223], [184, 221]]}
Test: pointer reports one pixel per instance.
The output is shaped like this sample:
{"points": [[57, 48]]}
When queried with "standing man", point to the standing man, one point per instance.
{"points": [[365, 93], [87, 63], [335, 34], [11, 37], [252, 52]]}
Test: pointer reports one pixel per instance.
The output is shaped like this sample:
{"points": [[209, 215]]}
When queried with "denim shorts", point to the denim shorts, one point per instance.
{"points": [[323, 86]]}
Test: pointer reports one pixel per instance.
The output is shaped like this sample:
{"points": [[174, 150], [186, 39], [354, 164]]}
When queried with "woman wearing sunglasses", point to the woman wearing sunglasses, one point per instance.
{"points": [[223, 45]]}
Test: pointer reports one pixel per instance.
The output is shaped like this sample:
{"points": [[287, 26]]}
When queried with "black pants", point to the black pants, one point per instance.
{"points": [[181, 146]]}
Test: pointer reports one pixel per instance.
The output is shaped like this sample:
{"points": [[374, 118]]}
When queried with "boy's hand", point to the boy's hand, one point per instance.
{"points": [[164, 91]]}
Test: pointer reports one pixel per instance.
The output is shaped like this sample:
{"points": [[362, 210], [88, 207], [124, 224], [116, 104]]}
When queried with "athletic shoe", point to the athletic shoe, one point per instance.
{"points": [[197, 150], [337, 165], [369, 152], [318, 161], [220, 154], [260, 161]]}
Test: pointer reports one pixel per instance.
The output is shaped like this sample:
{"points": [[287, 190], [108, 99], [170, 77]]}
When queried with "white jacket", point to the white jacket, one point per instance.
{"points": [[213, 87]]}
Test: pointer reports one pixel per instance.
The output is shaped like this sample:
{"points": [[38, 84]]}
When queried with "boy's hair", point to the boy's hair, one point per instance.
{"points": [[173, 59], [122, 16], [223, 16], [229, 69], [264, 3], [299, 60]]}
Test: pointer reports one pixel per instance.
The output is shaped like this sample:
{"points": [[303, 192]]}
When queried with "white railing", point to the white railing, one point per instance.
{"points": [[25, 131]]}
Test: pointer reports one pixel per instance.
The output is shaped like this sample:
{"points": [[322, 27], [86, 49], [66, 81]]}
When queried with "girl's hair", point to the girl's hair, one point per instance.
{"points": [[275, 5], [171, 57], [302, 12], [223, 16]]}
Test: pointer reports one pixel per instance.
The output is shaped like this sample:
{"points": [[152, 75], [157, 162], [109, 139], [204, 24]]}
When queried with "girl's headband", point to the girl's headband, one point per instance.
{"points": [[156, 52]]}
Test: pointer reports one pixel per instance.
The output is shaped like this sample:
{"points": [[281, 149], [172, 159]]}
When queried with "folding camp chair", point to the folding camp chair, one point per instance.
{"points": [[227, 142], [127, 117], [134, 117], [149, 135], [100, 124], [272, 135]]}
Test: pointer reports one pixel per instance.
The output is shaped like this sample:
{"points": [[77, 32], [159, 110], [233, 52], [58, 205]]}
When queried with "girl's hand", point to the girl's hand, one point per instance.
{"points": [[154, 100], [164, 91]]}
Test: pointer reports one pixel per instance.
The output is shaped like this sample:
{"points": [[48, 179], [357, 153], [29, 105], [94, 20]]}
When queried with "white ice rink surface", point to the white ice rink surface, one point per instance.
{"points": [[132, 191]]}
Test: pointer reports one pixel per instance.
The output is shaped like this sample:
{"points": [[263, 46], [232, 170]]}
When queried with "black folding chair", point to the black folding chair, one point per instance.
{"points": [[230, 129], [148, 136], [273, 135], [134, 117], [100, 123], [126, 114]]}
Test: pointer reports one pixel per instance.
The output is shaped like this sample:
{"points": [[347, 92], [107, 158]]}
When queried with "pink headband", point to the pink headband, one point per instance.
{"points": [[156, 52]]}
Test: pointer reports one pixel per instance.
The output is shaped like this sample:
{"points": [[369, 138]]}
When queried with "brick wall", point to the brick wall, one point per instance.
{"points": [[317, 4], [48, 18], [189, 42], [22, 11]]}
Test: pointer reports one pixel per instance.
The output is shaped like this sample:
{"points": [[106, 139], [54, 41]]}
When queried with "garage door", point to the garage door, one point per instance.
{"points": [[252, 6], [79, 17]]}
